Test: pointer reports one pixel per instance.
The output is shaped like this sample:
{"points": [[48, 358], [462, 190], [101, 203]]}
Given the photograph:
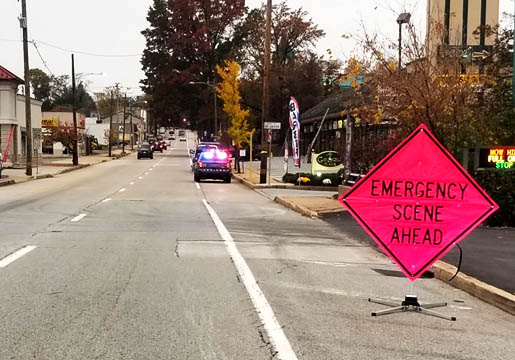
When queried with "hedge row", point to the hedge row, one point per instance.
{"points": [[500, 185], [336, 179]]}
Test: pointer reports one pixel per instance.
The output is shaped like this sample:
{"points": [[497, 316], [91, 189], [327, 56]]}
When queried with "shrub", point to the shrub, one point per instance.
{"points": [[336, 179], [500, 185]]}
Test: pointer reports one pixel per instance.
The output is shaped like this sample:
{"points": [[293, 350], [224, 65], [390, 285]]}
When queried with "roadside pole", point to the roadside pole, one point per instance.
{"points": [[266, 91], [513, 70], [132, 128], [74, 111], [111, 125], [348, 147], [269, 155], [124, 112], [250, 157], [28, 115]]}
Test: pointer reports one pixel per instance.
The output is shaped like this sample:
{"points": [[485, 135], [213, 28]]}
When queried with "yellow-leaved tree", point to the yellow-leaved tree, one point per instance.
{"points": [[228, 91]]}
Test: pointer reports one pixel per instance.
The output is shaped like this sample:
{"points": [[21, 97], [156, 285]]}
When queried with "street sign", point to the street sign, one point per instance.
{"points": [[272, 125], [418, 202]]}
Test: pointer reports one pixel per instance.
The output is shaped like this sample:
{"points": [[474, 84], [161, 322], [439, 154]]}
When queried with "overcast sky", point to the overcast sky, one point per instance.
{"points": [[112, 27]]}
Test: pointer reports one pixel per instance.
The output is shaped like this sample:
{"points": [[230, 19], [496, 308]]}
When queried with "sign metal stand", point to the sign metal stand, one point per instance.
{"points": [[410, 304]]}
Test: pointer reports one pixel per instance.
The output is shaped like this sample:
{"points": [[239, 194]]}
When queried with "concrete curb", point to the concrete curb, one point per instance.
{"points": [[6, 182], [78, 167], [44, 176], [488, 293], [298, 208]]}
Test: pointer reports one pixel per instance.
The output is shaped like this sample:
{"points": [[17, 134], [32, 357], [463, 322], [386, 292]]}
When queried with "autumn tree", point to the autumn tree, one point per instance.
{"points": [[228, 91], [446, 94], [63, 134], [110, 101], [295, 70], [186, 39]]}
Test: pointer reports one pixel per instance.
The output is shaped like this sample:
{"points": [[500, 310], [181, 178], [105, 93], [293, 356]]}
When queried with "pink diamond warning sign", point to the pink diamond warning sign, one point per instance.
{"points": [[418, 202]]}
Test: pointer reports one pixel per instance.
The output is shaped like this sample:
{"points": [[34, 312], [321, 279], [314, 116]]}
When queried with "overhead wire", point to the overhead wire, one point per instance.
{"points": [[35, 41], [41, 57], [86, 53]]}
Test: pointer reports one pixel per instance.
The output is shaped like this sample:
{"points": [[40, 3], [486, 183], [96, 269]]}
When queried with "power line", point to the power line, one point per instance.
{"points": [[34, 41], [41, 57], [87, 53]]}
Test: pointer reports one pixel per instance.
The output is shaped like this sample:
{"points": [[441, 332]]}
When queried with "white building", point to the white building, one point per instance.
{"points": [[12, 119]]}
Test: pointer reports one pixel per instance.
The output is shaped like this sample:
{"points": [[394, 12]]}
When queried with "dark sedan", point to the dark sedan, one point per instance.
{"points": [[145, 151]]}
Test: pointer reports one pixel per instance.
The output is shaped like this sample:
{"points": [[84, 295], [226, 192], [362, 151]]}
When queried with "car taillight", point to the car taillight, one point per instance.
{"points": [[228, 165], [200, 164]]}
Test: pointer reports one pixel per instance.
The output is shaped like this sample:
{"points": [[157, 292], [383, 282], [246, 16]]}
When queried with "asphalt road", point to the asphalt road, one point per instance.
{"points": [[133, 260]]}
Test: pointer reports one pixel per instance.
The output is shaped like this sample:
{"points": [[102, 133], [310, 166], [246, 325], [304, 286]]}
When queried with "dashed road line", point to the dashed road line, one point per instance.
{"points": [[122, 190], [146, 173], [140, 177], [132, 183], [79, 217], [197, 185], [16, 255], [106, 200], [263, 308]]}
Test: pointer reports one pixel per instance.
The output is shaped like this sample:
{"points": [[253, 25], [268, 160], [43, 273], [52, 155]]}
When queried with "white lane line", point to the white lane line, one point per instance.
{"points": [[263, 308], [79, 217], [140, 177], [16, 255], [146, 173], [122, 190], [132, 183], [197, 185], [106, 200], [150, 169]]}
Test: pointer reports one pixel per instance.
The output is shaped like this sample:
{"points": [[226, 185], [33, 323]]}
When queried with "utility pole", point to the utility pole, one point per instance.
{"points": [[28, 115], [132, 128], [216, 113], [513, 70], [111, 124], [124, 112], [75, 133], [266, 93]]}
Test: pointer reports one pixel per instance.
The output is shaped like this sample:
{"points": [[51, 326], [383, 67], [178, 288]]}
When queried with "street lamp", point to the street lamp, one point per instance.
{"points": [[403, 18], [215, 127]]}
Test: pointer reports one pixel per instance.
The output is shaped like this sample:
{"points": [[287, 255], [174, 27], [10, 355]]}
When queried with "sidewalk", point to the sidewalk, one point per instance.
{"points": [[488, 253], [50, 167]]}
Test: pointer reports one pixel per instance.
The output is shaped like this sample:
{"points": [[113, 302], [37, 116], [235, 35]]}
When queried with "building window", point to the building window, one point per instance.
{"points": [[340, 124]]}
